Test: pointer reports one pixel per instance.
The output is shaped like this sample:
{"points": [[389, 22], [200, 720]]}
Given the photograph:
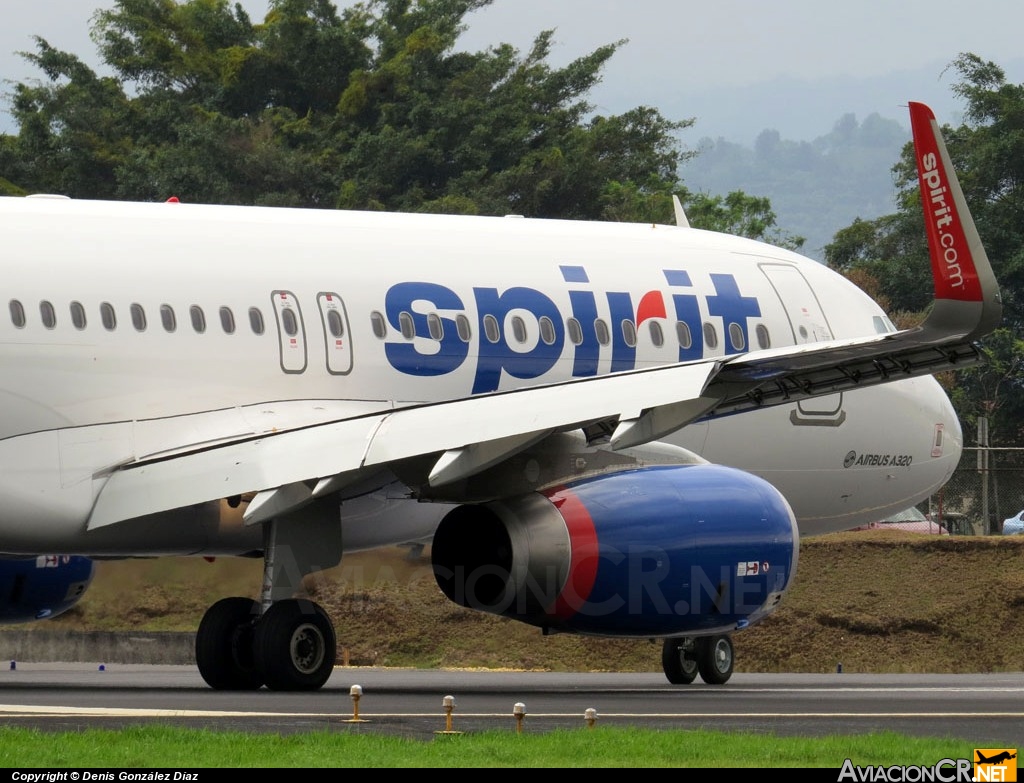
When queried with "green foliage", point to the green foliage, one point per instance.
{"points": [[738, 213], [7, 156], [993, 389], [890, 250], [988, 154], [71, 137], [370, 108]]}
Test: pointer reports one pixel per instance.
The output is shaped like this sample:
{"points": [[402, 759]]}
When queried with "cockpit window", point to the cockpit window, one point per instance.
{"points": [[883, 325]]}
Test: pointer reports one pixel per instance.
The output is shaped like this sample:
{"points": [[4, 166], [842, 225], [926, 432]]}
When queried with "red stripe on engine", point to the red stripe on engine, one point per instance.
{"points": [[583, 554]]}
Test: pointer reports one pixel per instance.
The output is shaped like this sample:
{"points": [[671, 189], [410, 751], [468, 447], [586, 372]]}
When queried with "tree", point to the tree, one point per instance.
{"points": [[371, 108], [71, 129], [738, 213], [993, 389], [988, 154]]}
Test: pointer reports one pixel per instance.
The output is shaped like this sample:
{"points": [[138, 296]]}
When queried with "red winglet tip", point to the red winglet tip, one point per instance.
{"points": [[921, 110], [945, 214]]}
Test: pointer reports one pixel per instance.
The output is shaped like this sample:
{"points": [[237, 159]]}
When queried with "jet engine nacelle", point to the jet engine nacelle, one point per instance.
{"points": [[653, 552], [37, 588]]}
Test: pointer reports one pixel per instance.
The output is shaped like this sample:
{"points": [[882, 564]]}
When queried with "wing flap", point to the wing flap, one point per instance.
{"points": [[236, 469], [318, 453]]}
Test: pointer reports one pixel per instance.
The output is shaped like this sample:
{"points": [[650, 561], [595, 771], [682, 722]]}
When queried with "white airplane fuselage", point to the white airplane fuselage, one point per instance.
{"points": [[135, 331]]}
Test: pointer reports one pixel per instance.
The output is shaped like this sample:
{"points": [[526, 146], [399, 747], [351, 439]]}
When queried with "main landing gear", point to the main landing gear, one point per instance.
{"points": [[684, 657], [283, 642], [291, 647]]}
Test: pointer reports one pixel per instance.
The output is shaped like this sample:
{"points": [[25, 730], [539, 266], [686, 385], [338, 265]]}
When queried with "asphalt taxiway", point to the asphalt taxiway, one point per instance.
{"points": [[986, 710]]}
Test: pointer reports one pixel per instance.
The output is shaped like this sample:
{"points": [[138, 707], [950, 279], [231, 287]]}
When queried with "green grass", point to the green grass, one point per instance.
{"points": [[169, 747]]}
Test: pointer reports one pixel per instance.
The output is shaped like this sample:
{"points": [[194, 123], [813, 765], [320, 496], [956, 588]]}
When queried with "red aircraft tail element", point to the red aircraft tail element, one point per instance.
{"points": [[967, 296]]}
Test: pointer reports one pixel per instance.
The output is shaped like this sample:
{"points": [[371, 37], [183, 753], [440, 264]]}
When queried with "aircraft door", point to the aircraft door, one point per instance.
{"points": [[809, 325], [291, 332], [337, 336], [805, 314]]}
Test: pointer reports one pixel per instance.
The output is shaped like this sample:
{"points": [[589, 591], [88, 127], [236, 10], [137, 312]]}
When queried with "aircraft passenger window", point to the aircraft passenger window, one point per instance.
{"points": [[138, 317], [406, 324], [803, 333], [491, 330], [17, 314], [167, 318], [575, 331], [710, 335], [547, 330], [289, 322], [335, 324], [48, 314], [198, 317], [435, 327], [657, 336], [108, 316], [518, 329], [736, 336], [227, 320], [629, 332], [764, 340], [603, 335], [78, 315], [378, 324], [256, 320], [463, 328], [683, 334]]}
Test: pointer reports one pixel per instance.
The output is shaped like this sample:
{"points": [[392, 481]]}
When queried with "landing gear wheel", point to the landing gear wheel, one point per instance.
{"points": [[678, 660], [224, 645], [714, 659], [294, 646]]}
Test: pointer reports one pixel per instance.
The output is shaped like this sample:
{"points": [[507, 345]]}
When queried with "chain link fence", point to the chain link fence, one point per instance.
{"points": [[986, 488]]}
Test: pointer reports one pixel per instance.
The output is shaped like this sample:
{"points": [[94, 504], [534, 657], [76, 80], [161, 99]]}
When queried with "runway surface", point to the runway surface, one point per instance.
{"points": [[986, 710]]}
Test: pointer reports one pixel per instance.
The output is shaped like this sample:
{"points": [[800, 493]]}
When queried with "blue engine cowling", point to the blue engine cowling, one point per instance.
{"points": [[37, 588], [652, 552]]}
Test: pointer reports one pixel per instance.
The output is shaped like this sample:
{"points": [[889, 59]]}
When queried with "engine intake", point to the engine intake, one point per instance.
{"points": [[651, 552], [38, 588]]}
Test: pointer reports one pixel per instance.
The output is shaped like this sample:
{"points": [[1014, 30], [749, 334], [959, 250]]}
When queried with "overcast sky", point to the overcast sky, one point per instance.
{"points": [[737, 66]]}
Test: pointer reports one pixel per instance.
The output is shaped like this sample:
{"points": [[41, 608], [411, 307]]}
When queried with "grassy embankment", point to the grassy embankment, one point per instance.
{"points": [[875, 601]]}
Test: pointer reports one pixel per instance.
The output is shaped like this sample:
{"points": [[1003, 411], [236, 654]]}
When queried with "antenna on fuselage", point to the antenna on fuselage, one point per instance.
{"points": [[677, 205]]}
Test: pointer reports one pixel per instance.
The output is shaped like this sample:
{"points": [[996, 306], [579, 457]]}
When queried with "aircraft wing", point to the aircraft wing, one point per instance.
{"points": [[288, 469]]}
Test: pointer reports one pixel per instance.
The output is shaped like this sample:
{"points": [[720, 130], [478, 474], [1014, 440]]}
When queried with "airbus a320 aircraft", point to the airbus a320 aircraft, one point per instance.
{"points": [[606, 429]]}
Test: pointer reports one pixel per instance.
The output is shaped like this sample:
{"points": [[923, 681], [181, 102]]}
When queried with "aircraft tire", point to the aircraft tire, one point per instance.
{"points": [[678, 660], [715, 659], [294, 646], [224, 652]]}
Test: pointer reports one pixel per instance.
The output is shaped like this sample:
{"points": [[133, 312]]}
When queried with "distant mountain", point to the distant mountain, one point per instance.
{"points": [[806, 109], [815, 187]]}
